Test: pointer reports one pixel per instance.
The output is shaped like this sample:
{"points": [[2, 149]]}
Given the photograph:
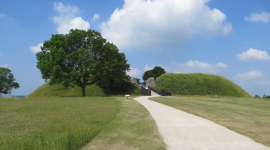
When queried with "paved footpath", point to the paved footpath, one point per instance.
{"points": [[184, 131]]}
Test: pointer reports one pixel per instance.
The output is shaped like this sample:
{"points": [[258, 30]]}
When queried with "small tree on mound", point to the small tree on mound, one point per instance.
{"points": [[80, 58], [7, 81], [265, 96], [155, 72], [257, 96], [146, 75]]}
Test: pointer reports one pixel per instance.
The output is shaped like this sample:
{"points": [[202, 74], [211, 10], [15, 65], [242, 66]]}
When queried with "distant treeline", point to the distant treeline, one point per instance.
{"points": [[264, 96]]}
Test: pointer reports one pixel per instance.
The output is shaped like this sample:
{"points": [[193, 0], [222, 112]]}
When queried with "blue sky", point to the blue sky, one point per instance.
{"points": [[223, 37]]}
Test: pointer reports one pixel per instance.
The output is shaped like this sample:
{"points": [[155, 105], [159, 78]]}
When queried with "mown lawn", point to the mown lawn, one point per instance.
{"points": [[247, 116], [53, 123], [133, 128]]}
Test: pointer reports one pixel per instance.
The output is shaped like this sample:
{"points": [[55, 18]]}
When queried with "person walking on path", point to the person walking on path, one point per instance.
{"points": [[184, 131]]}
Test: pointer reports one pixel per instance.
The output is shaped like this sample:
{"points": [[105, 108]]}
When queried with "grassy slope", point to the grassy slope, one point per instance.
{"points": [[247, 116], [47, 90], [133, 128], [199, 84], [53, 123]]}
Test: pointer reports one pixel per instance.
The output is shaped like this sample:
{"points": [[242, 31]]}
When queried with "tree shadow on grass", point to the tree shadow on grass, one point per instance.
{"points": [[121, 88]]}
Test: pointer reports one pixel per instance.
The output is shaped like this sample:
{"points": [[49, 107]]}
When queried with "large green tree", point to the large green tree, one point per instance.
{"points": [[155, 72], [7, 81], [146, 75], [80, 58]]}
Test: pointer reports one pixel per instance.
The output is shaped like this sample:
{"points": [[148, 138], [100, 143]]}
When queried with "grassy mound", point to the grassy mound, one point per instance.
{"points": [[199, 84], [47, 90]]}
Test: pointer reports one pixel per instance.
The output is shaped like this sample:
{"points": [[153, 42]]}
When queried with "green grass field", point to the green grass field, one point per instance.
{"points": [[54, 123], [199, 84], [72, 122], [247, 116], [133, 128]]}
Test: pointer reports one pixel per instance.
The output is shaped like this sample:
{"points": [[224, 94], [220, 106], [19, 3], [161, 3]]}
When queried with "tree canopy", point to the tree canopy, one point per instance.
{"points": [[155, 72], [7, 81], [81, 58]]}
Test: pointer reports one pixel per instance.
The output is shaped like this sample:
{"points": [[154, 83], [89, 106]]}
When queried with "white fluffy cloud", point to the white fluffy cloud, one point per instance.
{"points": [[95, 17], [249, 75], [2, 15], [191, 67], [161, 24], [75, 23], [253, 54], [35, 49], [197, 64], [4, 66], [150, 67], [222, 65], [68, 19], [147, 67], [134, 72], [264, 17]]}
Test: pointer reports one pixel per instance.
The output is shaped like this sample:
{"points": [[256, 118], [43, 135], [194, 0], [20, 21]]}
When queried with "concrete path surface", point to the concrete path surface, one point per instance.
{"points": [[184, 131], [154, 93]]}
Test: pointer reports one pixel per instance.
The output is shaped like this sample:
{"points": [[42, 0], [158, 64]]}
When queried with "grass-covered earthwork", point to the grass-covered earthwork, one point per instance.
{"points": [[247, 116], [54, 123], [58, 90], [199, 84]]}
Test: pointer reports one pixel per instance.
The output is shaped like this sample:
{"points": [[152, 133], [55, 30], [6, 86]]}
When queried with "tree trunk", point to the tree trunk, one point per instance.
{"points": [[83, 91]]}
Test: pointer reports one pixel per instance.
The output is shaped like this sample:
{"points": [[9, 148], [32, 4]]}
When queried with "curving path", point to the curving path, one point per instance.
{"points": [[184, 131]]}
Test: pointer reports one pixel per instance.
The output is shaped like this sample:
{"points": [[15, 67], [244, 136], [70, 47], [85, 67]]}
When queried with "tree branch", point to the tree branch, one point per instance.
{"points": [[93, 82]]}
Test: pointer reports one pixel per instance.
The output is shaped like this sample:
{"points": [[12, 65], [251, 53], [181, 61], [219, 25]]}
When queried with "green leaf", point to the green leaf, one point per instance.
{"points": [[82, 58]]}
